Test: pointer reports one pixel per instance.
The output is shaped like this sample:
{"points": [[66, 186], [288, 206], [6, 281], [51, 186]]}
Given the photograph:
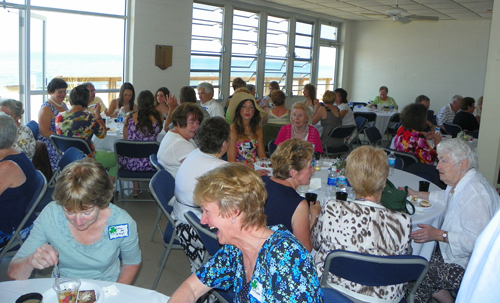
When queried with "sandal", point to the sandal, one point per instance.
{"points": [[136, 193]]}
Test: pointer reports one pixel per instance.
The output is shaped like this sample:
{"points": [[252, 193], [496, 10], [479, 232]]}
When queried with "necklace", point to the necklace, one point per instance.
{"points": [[296, 132], [58, 104]]}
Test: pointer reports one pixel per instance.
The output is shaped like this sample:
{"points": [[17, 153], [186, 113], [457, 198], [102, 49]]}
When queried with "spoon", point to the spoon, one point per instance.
{"points": [[57, 274]]}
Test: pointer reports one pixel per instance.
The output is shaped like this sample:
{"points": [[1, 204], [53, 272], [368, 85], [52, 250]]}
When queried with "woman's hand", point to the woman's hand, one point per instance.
{"points": [[44, 256], [171, 102], [261, 172], [97, 110], [437, 138], [427, 233]]}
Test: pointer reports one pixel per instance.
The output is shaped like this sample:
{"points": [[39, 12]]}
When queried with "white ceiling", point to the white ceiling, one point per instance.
{"points": [[368, 9]]}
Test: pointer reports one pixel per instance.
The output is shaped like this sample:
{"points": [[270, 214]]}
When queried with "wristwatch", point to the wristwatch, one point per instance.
{"points": [[445, 237]]}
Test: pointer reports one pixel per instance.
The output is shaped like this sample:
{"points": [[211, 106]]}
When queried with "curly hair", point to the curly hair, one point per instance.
{"points": [[146, 109], [213, 132], [182, 112], [238, 82], [8, 131], [413, 116], [293, 154], [15, 106], [124, 87]]}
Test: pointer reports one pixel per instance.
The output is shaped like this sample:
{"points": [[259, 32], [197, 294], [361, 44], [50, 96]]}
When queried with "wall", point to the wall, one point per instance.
{"points": [[437, 59]]}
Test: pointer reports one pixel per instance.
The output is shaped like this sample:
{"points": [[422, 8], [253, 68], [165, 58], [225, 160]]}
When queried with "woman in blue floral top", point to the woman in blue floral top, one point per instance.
{"points": [[260, 264]]}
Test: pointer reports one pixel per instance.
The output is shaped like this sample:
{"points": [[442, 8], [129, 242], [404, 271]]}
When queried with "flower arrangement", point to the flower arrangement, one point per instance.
{"points": [[464, 136], [339, 164]]}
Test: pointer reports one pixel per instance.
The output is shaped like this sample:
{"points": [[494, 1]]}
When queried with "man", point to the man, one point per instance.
{"points": [[431, 119], [206, 93], [93, 98], [447, 112], [187, 94], [465, 117]]}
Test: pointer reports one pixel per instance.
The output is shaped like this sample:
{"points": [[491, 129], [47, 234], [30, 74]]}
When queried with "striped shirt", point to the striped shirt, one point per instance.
{"points": [[445, 115]]}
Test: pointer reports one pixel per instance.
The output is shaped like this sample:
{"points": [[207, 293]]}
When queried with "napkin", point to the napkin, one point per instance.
{"points": [[315, 183], [419, 211], [110, 290]]}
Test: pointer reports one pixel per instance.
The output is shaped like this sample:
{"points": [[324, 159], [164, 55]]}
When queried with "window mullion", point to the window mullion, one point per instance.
{"points": [[227, 28]]}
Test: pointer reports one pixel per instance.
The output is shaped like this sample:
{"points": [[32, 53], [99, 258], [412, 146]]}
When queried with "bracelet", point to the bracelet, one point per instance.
{"points": [[99, 119]]}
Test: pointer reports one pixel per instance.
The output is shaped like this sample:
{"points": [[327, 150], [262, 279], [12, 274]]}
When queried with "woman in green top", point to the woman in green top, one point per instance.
{"points": [[382, 100]]}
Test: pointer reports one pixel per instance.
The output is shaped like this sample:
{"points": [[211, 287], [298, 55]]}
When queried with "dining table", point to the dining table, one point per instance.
{"points": [[10, 291], [431, 216], [115, 132], [383, 116]]}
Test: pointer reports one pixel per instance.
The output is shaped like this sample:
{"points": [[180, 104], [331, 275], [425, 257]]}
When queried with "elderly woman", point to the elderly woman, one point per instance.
{"points": [[25, 141], [410, 137], [300, 128], [278, 114], [213, 142], [378, 231], [178, 142], [47, 117], [291, 168], [329, 116], [81, 232], [382, 100], [261, 264], [125, 100], [16, 171], [470, 203]]}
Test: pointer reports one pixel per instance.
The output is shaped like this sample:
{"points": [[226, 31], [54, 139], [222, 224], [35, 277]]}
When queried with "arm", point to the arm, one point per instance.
{"points": [[44, 117], [172, 105], [315, 139], [128, 273], [189, 291], [125, 127], [343, 113], [12, 176], [301, 225], [261, 151], [112, 107], [21, 268], [99, 126], [319, 114], [231, 151], [282, 135]]}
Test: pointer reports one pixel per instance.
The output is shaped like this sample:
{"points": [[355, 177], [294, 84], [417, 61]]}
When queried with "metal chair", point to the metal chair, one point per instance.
{"points": [[63, 143], [373, 135], [154, 161], [133, 149], [393, 126], [271, 147], [407, 158], [370, 117], [452, 129], [40, 184], [33, 125], [270, 131], [331, 295], [340, 132], [162, 187], [360, 125], [374, 270]]}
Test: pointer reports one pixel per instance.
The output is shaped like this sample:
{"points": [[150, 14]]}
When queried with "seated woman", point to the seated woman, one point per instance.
{"points": [[309, 92], [465, 117], [278, 114], [213, 141], [143, 125], [16, 171], [161, 101], [378, 231], [345, 111], [410, 137], [257, 262], [382, 100], [267, 102], [246, 143], [81, 232], [300, 128], [178, 142], [470, 203], [291, 168], [125, 100], [78, 122], [25, 141], [329, 116]]}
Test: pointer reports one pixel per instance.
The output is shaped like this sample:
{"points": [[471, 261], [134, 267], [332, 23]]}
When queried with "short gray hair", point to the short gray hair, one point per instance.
{"points": [[456, 98], [251, 87], [8, 131], [209, 88], [458, 150], [15, 106]]}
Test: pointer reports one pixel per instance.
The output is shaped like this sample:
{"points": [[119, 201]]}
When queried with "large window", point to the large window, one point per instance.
{"points": [[276, 52], [328, 51], [302, 63]]}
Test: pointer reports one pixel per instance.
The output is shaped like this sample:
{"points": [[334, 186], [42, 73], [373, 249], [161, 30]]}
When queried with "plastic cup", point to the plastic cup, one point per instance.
{"points": [[341, 196], [423, 186], [67, 289], [311, 197]]}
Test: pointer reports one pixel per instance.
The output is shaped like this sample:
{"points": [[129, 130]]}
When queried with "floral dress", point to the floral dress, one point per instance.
{"points": [[25, 141], [79, 124], [415, 143], [246, 151], [52, 150], [135, 134], [284, 272]]}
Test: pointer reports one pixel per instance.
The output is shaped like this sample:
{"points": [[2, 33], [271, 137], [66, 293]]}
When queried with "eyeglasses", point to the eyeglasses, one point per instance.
{"points": [[61, 91]]}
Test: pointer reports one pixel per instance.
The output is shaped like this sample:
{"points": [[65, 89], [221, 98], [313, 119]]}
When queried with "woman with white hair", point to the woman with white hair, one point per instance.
{"points": [[470, 203], [25, 141]]}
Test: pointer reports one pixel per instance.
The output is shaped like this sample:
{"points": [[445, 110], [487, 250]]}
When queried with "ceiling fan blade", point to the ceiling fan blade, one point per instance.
{"points": [[423, 18], [403, 20]]}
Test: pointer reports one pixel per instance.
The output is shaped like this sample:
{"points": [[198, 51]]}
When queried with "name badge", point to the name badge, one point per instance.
{"points": [[118, 231], [256, 290], [247, 145]]}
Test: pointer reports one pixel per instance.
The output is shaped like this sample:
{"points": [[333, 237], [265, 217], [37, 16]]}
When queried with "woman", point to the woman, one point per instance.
{"points": [[16, 191], [300, 128], [256, 261], [329, 116], [25, 140], [143, 125], [278, 114], [178, 142], [47, 116], [470, 203], [237, 91], [345, 111], [161, 101], [363, 225], [213, 141], [291, 168], [81, 232], [267, 102], [125, 100], [382, 100], [410, 137], [309, 92], [78, 122], [246, 143]]}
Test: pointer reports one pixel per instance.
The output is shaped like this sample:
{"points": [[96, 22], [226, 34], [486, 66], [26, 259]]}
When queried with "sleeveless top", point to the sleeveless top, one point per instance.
{"points": [[283, 120], [53, 154], [329, 123], [246, 151], [13, 201]]}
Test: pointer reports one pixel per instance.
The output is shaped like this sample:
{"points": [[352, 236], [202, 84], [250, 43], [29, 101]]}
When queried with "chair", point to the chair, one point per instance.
{"points": [[407, 158], [354, 104], [426, 171], [133, 149], [360, 125], [373, 135], [271, 147], [331, 295], [40, 184], [393, 126], [154, 161], [62, 143], [270, 131], [452, 129], [339, 132], [374, 270], [162, 187], [370, 117], [33, 125]]}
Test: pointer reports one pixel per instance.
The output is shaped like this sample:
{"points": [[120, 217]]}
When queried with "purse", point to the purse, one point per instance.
{"points": [[395, 199]]}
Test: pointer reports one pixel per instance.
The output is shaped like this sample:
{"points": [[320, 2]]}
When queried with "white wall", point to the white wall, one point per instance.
{"points": [[437, 59]]}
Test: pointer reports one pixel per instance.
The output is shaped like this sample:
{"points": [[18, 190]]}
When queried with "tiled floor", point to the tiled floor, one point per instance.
{"points": [[177, 268]]}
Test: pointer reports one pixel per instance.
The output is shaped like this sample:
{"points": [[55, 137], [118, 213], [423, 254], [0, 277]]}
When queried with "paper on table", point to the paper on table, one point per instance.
{"points": [[110, 290], [315, 183]]}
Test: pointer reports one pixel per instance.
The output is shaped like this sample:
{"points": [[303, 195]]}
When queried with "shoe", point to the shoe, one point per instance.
{"points": [[136, 193]]}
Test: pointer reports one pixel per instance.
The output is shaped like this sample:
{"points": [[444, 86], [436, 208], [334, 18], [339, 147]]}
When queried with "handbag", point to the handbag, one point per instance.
{"points": [[395, 199]]}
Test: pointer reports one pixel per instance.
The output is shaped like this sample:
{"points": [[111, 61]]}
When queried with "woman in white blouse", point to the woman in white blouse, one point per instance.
{"points": [[345, 110], [470, 203]]}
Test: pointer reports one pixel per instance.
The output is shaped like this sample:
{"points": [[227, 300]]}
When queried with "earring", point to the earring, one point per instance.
{"points": [[233, 220]]}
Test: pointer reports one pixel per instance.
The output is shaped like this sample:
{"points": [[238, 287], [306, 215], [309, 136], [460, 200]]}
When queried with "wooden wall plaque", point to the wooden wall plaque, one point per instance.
{"points": [[163, 58]]}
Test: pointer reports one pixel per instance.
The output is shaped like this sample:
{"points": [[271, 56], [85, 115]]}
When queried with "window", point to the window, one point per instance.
{"points": [[302, 63], [276, 52], [328, 51]]}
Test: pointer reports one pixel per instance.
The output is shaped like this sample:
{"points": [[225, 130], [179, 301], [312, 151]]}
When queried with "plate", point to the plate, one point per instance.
{"points": [[50, 295], [418, 204], [269, 169]]}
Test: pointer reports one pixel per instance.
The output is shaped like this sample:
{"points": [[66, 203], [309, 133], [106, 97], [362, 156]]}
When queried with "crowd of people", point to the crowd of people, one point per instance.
{"points": [[265, 228]]}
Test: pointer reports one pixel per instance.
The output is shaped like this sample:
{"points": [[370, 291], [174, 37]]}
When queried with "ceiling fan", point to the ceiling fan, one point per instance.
{"points": [[401, 15]]}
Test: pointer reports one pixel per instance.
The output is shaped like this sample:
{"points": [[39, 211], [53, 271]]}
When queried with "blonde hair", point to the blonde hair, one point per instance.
{"points": [[305, 108], [236, 189], [367, 169], [329, 97], [292, 154]]}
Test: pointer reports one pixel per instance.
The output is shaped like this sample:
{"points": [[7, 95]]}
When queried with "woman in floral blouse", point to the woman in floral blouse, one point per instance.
{"points": [[260, 264], [411, 138], [25, 141]]}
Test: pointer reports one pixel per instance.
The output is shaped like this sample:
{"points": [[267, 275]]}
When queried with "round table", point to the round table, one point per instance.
{"points": [[11, 290], [431, 216], [114, 133], [383, 117]]}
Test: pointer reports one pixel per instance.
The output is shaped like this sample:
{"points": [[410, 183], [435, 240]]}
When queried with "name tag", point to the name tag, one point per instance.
{"points": [[118, 231], [247, 145], [256, 290]]}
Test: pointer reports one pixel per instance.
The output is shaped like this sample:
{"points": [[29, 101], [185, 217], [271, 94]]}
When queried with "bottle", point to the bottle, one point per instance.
{"points": [[332, 184], [392, 163], [392, 108]]}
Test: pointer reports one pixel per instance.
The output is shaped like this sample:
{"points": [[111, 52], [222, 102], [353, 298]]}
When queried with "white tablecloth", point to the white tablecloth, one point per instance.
{"points": [[383, 117], [431, 216], [11, 290], [115, 133]]}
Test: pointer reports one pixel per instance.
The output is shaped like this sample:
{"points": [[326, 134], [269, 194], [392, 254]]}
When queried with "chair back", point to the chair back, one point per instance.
{"points": [[208, 238], [373, 135], [452, 129], [271, 147], [342, 131], [162, 187], [359, 103], [63, 143], [136, 149], [360, 123], [371, 117], [270, 131], [407, 158], [33, 125], [374, 270], [154, 161]]}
